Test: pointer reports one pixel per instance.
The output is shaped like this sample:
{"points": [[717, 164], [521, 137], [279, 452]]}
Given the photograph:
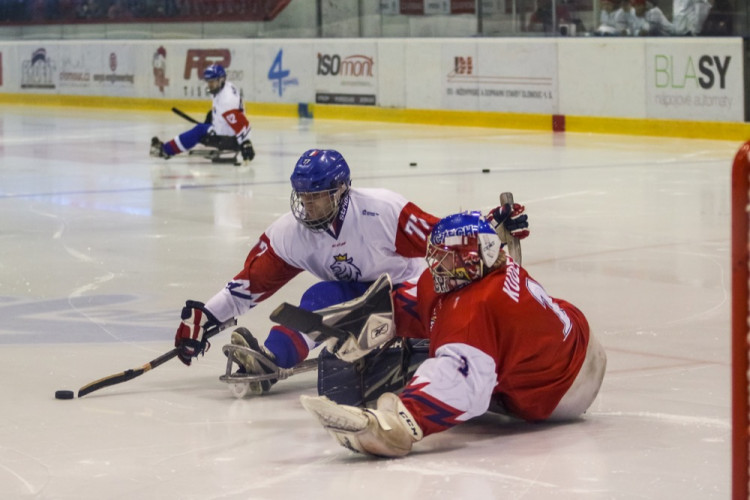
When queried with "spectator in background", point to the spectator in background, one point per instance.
{"points": [[541, 19], [119, 11], [688, 16], [625, 20], [82, 9], [641, 26], [720, 21], [606, 19], [657, 22]]}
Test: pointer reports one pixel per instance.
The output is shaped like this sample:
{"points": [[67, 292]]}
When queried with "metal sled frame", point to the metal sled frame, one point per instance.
{"points": [[241, 381], [218, 155]]}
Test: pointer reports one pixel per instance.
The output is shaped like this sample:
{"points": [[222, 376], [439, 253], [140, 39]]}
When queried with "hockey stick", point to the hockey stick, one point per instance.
{"points": [[185, 116], [514, 245], [121, 377]]}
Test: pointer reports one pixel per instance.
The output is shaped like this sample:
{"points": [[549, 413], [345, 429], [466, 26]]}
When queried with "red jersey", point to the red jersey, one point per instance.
{"points": [[537, 343]]}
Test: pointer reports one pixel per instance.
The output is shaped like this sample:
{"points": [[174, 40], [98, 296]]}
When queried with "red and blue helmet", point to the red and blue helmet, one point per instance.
{"points": [[462, 248], [319, 173]]}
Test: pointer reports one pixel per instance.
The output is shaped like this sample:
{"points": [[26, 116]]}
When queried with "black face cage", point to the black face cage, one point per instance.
{"points": [[319, 224]]}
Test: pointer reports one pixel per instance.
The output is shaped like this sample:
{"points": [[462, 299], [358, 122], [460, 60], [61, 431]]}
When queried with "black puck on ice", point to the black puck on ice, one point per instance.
{"points": [[64, 394], [413, 164], [485, 170]]}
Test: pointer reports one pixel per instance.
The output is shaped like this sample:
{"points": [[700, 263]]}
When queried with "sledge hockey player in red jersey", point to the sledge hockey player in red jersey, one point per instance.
{"points": [[346, 237], [495, 337], [226, 127]]}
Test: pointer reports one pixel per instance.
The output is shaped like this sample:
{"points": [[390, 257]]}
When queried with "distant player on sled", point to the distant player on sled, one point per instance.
{"points": [[226, 130]]}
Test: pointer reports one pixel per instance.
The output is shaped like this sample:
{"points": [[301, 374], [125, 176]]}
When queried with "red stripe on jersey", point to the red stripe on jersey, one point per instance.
{"points": [[265, 271], [431, 414], [237, 120]]}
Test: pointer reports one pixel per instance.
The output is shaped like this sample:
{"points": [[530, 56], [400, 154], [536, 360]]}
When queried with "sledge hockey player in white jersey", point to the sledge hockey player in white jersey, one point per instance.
{"points": [[226, 125], [346, 237]]}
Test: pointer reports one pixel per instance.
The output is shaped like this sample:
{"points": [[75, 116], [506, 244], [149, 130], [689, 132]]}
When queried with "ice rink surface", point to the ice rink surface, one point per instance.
{"points": [[101, 245]]}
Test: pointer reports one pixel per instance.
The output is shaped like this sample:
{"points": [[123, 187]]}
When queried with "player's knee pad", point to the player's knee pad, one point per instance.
{"points": [[361, 383]]}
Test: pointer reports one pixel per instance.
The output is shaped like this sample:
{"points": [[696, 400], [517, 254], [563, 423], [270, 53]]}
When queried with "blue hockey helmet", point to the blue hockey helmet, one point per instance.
{"points": [[462, 248], [320, 182], [213, 72]]}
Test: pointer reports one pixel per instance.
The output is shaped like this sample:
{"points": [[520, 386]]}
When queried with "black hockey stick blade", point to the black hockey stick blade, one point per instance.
{"points": [[184, 115], [514, 244], [121, 377], [306, 322]]}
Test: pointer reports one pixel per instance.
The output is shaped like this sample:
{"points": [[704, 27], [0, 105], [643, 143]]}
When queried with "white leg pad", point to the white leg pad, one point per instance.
{"points": [[388, 431]]}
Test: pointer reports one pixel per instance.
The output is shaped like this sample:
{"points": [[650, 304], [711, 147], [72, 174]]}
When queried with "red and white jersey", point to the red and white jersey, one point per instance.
{"points": [[228, 113], [501, 337], [377, 231]]}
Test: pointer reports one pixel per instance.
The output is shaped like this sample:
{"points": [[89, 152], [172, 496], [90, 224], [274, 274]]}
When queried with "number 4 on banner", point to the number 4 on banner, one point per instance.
{"points": [[277, 73]]}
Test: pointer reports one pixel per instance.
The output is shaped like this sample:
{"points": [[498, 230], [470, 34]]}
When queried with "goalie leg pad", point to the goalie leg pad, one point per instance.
{"points": [[361, 383], [369, 319], [289, 346]]}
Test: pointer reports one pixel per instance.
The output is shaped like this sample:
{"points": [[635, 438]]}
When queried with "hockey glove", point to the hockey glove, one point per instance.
{"points": [[513, 218], [248, 153], [190, 338]]}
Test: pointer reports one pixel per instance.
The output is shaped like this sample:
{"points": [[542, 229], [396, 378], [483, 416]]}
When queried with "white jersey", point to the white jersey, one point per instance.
{"points": [[688, 16], [625, 21], [658, 24], [377, 231], [228, 113]]}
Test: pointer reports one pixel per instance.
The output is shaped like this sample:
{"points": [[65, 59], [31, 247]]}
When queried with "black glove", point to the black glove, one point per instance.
{"points": [[190, 339], [246, 148]]}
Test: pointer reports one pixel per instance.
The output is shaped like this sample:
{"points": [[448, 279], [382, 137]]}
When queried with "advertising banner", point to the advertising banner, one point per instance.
{"points": [[38, 66], [346, 73], [284, 71], [686, 78], [695, 80], [522, 77]]}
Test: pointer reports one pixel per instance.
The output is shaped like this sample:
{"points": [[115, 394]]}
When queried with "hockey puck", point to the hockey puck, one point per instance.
{"points": [[413, 164], [485, 170], [64, 394]]}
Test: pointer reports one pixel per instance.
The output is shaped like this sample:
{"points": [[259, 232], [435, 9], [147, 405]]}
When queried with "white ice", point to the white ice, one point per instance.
{"points": [[101, 245]]}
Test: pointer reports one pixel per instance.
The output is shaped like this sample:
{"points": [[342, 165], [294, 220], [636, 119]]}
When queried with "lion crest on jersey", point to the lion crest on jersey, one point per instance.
{"points": [[344, 269]]}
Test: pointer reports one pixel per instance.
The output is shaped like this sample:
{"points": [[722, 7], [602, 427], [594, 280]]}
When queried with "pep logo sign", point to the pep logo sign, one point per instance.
{"points": [[200, 59], [705, 72]]}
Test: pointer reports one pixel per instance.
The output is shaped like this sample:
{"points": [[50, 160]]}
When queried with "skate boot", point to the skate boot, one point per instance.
{"points": [[249, 364], [157, 151]]}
